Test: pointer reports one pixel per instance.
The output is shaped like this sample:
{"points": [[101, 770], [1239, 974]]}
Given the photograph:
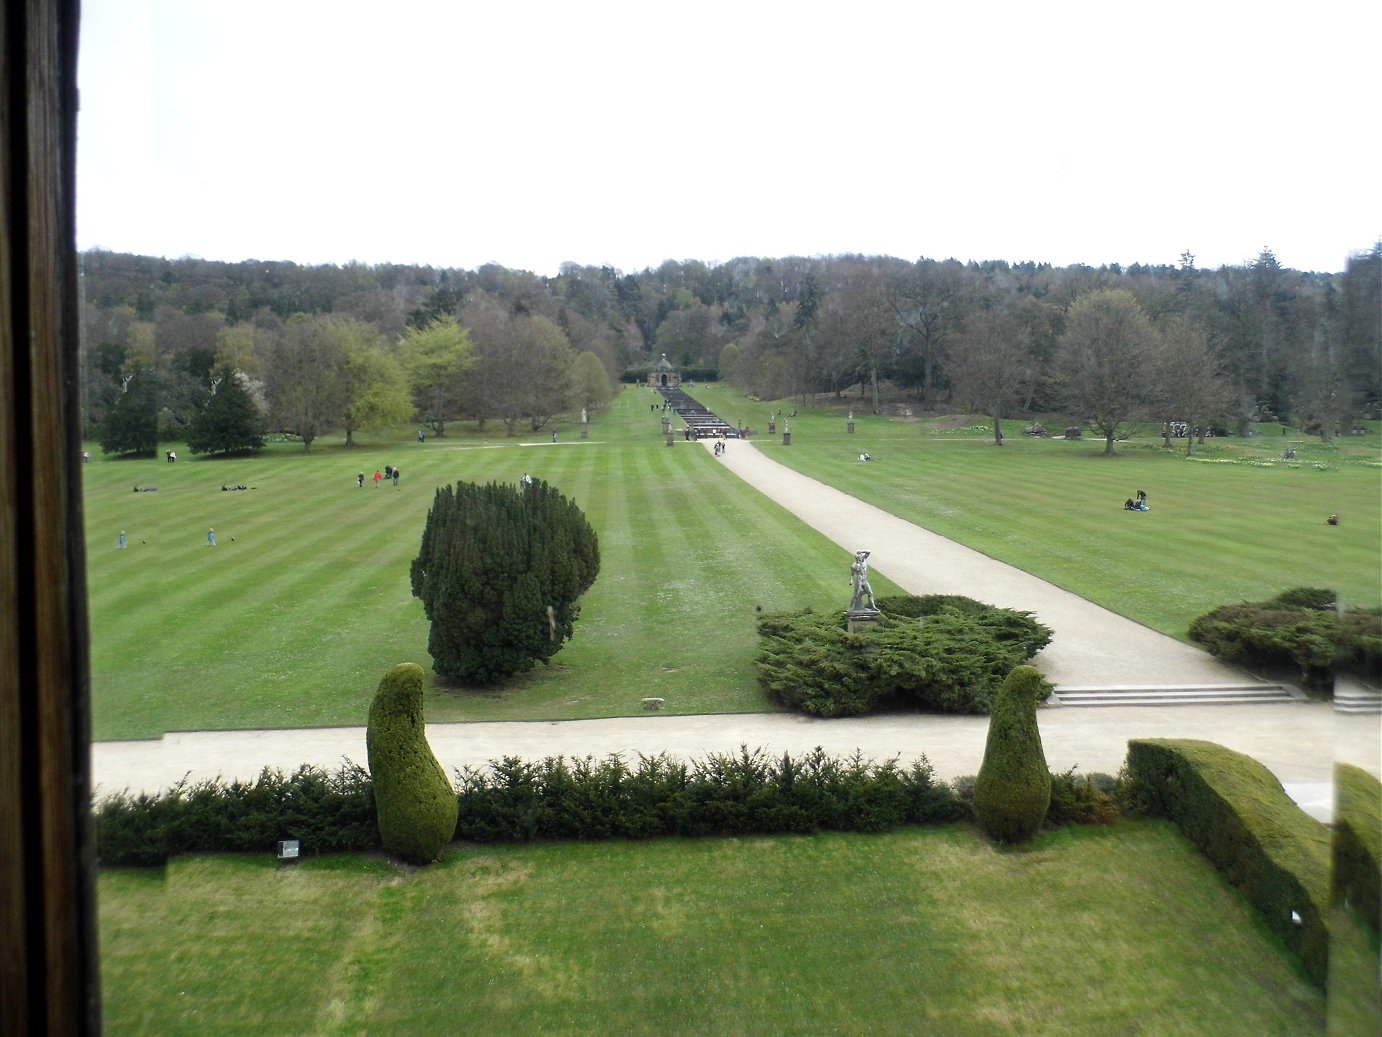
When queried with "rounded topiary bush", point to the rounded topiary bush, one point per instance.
{"points": [[1013, 790], [415, 802]]}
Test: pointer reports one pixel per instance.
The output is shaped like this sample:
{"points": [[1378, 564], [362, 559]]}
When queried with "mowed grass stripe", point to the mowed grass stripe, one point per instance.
{"points": [[294, 622], [1239, 524]]}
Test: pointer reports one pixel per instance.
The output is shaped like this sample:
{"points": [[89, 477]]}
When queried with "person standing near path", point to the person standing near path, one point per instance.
{"points": [[361, 480], [120, 543], [210, 538], [395, 477], [378, 477]]}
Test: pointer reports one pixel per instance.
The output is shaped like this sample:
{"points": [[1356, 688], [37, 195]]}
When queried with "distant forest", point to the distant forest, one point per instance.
{"points": [[508, 345]]}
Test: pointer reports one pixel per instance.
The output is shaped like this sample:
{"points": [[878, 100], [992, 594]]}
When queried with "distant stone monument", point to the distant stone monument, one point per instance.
{"points": [[850, 425], [585, 424], [863, 611], [662, 375]]}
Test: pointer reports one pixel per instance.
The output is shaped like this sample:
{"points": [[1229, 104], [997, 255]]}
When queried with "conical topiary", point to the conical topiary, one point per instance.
{"points": [[415, 802], [1013, 790]]}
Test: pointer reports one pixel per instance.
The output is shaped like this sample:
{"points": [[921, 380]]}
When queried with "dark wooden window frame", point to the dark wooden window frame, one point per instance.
{"points": [[48, 948]]}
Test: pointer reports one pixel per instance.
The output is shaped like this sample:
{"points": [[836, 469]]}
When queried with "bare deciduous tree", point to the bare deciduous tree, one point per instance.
{"points": [[1104, 365]]}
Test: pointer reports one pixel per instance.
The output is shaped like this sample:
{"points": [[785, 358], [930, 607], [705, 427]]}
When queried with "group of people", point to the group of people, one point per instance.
{"points": [[389, 472], [719, 447], [1138, 504]]}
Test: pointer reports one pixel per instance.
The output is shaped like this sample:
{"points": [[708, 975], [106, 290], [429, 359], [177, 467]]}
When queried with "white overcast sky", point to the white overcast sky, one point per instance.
{"points": [[460, 132]]}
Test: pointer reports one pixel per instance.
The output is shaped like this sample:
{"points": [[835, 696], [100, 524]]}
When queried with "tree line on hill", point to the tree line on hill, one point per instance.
{"points": [[342, 348]]}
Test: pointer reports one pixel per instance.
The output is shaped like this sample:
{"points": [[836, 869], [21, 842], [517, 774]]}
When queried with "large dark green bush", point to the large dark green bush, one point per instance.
{"points": [[499, 573], [1357, 843], [415, 800], [1237, 813], [1013, 791], [1301, 627], [942, 653]]}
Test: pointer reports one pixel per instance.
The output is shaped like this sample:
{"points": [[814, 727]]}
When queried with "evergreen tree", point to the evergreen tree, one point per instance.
{"points": [[499, 572], [228, 422], [131, 426]]}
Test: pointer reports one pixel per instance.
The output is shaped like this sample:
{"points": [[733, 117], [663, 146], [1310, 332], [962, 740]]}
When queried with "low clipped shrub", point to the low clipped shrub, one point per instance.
{"points": [[1237, 813], [1315, 599], [940, 653], [1076, 799], [513, 800], [1013, 790], [415, 801], [1357, 859], [1083, 799], [1300, 627], [742, 793], [328, 812]]}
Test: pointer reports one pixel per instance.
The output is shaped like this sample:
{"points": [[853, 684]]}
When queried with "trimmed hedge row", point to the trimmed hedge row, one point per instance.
{"points": [[1300, 627], [1237, 813], [328, 812], [722, 794], [1358, 842], [514, 800]]}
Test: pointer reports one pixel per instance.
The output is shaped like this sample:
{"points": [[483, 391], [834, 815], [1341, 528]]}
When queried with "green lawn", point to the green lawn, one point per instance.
{"points": [[291, 619], [304, 603], [1095, 931], [1238, 523]]}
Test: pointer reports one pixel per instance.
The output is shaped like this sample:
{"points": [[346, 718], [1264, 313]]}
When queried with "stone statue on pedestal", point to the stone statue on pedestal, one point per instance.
{"points": [[862, 590]]}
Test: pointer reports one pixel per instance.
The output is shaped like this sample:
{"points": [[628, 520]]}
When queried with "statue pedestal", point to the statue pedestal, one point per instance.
{"points": [[851, 428], [786, 439], [859, 621], [772, 427], [671, 439], [585, 430]]}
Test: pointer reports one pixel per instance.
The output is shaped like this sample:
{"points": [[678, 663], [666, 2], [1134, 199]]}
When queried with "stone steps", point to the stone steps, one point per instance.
{"points": [[1163, 695], [1356, 698]]}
